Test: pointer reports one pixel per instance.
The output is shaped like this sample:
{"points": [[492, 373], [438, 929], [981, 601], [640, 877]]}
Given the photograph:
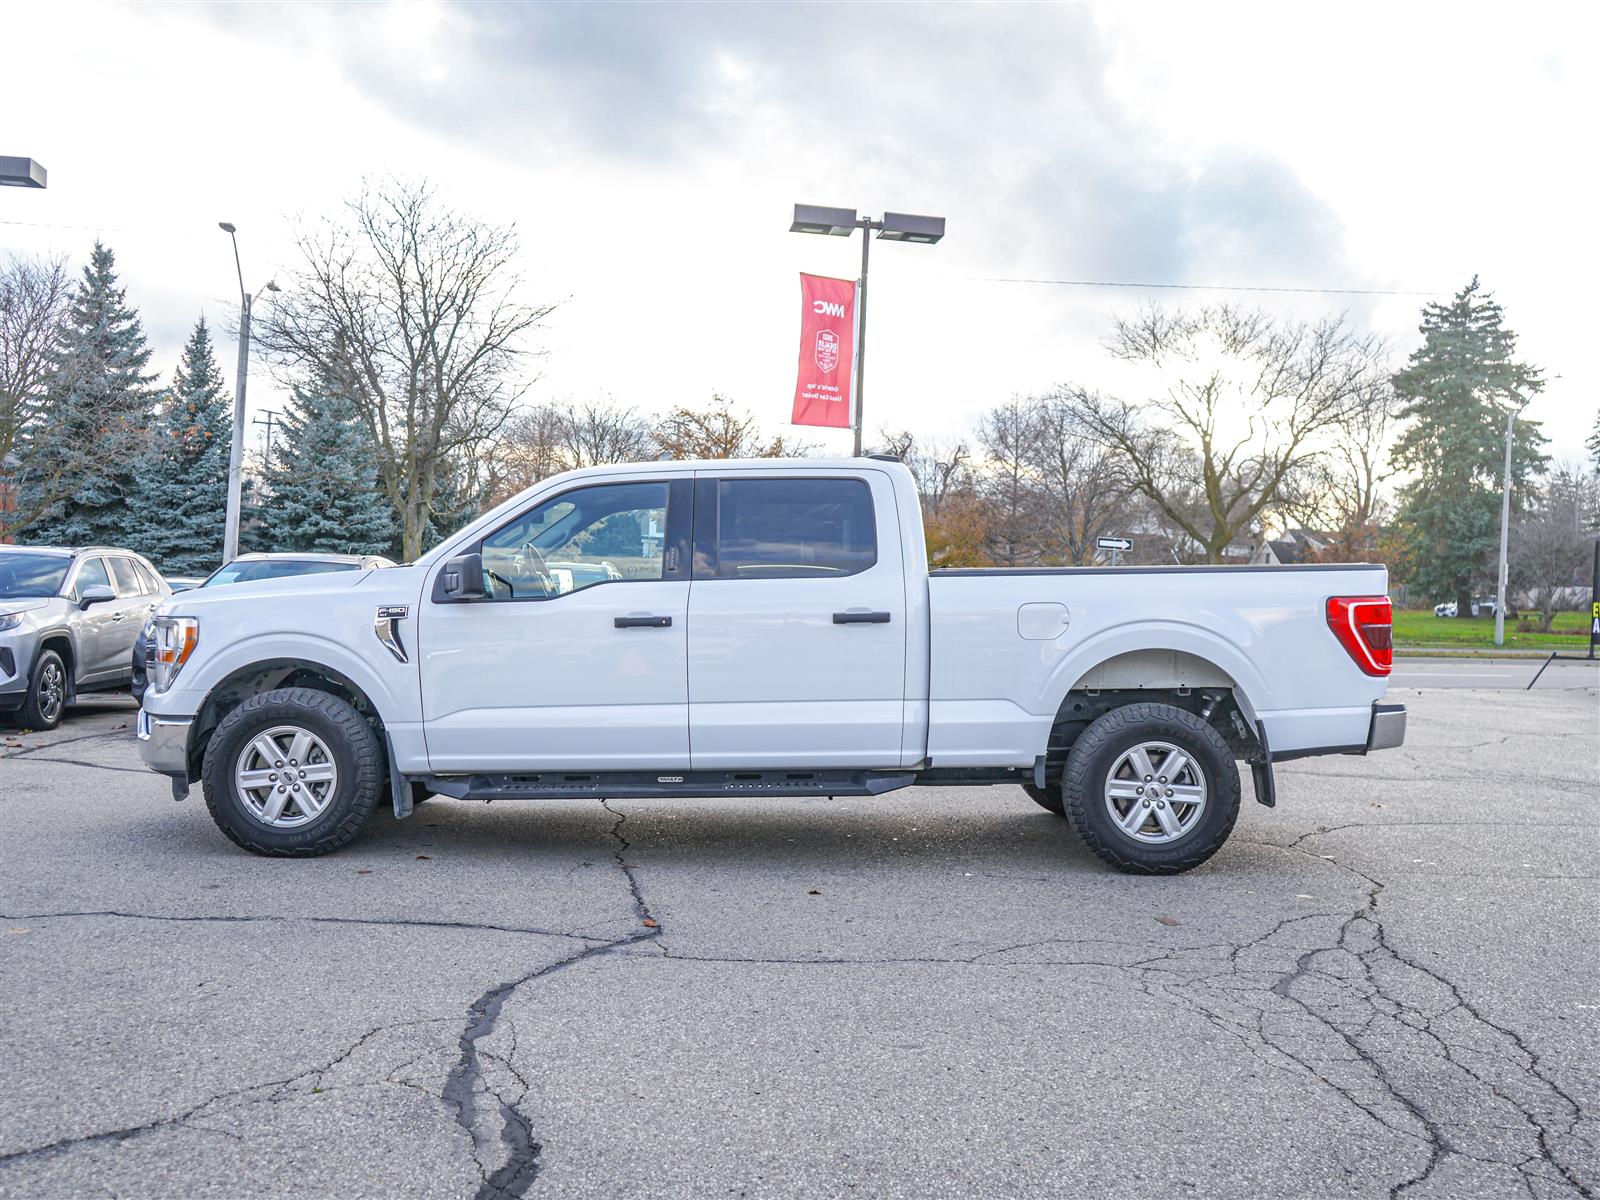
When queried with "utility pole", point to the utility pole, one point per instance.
{"points": [[1505, 531], [867, 225], [230, 534], [268, 417]]}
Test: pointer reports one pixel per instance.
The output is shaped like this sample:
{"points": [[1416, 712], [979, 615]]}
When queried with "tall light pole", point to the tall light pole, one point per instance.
{"points": [[894, 227], [1505, 529], [230, 535]]}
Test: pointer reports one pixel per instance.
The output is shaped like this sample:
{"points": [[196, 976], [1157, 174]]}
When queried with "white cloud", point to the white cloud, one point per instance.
{"points": [[649, 155]]}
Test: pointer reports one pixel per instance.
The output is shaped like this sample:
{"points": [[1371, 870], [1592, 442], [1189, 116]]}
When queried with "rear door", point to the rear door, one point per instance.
{"points": [[797, 621], [132, 606]]}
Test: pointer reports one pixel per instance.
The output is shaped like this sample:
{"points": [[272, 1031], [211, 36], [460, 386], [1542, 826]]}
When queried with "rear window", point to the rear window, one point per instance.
{"points": [[784, 529], [273, 568]]}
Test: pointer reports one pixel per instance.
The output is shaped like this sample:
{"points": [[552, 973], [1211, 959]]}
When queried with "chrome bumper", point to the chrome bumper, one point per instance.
{"points": [[164, 743], [1388, 728]]}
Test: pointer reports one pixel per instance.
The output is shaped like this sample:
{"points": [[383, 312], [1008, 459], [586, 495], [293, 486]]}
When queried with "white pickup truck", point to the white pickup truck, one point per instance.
{"points": [[759, 629]]}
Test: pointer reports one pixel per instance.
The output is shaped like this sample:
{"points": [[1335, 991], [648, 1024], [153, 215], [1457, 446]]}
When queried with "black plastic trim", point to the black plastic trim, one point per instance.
{"points": [[641, 622], [621, 785], [860, 618], [1261, 771]]}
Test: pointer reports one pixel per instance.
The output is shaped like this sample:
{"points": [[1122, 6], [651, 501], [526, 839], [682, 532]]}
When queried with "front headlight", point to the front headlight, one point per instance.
{"points": [[175, 639], [10, 621]]}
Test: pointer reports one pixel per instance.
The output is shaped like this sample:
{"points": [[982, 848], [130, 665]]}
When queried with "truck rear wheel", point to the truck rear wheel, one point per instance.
{"points": [[293, 773], [1152, 789]]}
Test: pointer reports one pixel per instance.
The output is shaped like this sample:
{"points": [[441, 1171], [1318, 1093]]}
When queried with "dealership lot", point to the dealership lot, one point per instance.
{"points": [[1388, 985]]}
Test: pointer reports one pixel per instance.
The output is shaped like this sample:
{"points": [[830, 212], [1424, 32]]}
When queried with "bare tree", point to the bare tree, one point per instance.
{"points": [[413, 310], [1083, 496], [717, 431], [943, 467], [35, 295], [593, 435], [1240, 403], [1550, 550], [1008, 435]]}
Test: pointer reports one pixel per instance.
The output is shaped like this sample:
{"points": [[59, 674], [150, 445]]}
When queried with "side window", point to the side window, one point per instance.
{"points": [[609, 533], [147, 578], [91, 574], [128, 583], [784, 529]]}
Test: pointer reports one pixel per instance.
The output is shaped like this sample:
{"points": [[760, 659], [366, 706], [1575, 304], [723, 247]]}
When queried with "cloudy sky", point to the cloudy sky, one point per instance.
{"points": [[649, 155]]}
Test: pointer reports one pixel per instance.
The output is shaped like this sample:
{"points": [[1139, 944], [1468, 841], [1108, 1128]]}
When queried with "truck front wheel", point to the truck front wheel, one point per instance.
{"points": [[293, 773], [1152, 789]]}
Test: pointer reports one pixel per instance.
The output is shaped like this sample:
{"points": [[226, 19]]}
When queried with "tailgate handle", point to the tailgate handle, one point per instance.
{"points": [[642, 622], [861, 618]]}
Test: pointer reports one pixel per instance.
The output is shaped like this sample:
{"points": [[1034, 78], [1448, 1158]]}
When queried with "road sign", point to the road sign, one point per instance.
{"points": [[1114, 543]]}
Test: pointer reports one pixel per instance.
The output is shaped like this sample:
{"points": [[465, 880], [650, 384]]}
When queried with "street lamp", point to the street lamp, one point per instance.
{"points": [[230, 535], [894, 227], [1505, 529], [21, 172]]}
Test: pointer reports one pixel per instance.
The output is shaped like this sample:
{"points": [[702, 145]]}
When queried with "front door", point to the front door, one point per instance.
{"points": [[575, 658], [797, 621]]}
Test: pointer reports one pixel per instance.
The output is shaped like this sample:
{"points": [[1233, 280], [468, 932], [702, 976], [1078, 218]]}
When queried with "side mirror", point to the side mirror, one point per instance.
{"points": [[95, 594], [462, 578]]}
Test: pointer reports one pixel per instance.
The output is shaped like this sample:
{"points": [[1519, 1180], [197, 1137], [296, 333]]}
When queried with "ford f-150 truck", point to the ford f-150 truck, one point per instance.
{"points": [[759, 629]]}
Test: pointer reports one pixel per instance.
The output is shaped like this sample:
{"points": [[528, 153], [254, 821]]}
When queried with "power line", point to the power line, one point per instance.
{"points": [[86, 228], [1206, 287]]}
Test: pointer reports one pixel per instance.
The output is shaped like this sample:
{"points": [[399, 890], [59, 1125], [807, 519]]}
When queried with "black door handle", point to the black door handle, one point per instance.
{"points": [[861, 618], [642, 622]]}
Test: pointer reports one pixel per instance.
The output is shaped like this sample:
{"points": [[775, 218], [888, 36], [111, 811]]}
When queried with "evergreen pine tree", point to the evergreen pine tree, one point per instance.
{"points": [[180, 508], [322, 490], [80, 464], [1455, 392]]}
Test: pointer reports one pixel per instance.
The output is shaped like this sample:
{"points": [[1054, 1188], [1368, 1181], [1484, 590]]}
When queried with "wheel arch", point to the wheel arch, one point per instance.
{"points": [[267, 675]]}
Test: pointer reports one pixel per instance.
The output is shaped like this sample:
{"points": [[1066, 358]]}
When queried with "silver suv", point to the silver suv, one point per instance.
{"points": [[68, 619]]}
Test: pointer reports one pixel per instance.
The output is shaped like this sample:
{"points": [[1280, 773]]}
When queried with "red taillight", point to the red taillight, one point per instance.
{"points": [[1364, 626]]}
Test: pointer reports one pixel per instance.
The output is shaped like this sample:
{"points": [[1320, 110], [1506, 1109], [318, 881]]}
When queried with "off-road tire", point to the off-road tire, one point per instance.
{"points": [[362, 778], [31, 714], [1097, 750], [1046, 798]]}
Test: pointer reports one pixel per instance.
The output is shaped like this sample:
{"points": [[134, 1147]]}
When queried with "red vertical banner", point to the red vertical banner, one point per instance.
{"points": [[827, 350]]}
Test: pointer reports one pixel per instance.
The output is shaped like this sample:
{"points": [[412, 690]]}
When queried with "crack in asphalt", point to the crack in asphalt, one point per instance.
{"points": [[119, 733], [270, 919], [468, 1084]]}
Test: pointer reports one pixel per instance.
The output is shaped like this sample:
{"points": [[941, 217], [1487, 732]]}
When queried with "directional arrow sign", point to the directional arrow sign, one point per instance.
{"points": [[1114, 543]]}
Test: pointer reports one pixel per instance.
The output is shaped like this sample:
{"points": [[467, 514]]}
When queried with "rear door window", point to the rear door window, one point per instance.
{"points": [[783, 528], [128, 582]]}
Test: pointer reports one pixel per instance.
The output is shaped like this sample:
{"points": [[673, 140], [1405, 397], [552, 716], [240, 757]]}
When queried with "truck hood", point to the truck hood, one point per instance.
{"points": [[292, 587]]}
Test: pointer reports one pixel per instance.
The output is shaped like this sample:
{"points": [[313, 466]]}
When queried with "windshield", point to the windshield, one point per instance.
{"points": [[273, 568], [31, 576]]}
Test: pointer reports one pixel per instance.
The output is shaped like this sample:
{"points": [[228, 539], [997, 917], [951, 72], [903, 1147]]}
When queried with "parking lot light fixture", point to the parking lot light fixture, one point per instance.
{"points": [[894, 227], [21, 172]]}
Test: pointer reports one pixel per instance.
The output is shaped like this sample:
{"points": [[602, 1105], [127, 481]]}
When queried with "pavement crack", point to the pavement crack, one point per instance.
{"points": [[474, 1091], [273, 919]]}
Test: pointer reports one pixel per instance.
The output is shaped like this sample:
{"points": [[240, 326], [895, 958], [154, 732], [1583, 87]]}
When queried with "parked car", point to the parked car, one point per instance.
{"points": [[248, 567], [68, 619], [183, 583], [1482, 606], [782, 635]]}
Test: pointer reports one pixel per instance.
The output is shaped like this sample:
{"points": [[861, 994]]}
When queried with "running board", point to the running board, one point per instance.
{"points": [[623, 785]]}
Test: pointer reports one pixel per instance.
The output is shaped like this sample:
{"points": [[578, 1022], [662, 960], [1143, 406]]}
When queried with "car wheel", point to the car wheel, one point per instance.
{"points": [[1151, 789], [46, 700], [1045, 797], [293, 773]]}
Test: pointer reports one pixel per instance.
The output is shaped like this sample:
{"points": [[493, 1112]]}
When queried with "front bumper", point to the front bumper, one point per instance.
{"points": [[1388, 728], [164, 743]]}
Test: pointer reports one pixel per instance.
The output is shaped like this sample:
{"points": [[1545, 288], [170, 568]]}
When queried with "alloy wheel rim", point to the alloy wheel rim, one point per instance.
{"points": [[1155, 793], [285, 776], [52, 692]]}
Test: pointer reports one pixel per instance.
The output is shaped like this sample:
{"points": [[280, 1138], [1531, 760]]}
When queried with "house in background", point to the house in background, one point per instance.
{"points": [[1295, 546]]}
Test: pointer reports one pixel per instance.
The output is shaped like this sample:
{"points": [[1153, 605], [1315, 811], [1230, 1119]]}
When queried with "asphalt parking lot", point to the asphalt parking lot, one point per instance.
{"points": [[1388, 986]]}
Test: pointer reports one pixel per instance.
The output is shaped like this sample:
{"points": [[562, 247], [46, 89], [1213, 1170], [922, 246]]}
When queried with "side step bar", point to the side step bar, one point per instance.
{"points": [[623, 785]]}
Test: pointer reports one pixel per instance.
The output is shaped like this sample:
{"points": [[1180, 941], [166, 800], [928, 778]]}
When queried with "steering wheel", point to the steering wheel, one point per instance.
{"points": [[536, 559]]}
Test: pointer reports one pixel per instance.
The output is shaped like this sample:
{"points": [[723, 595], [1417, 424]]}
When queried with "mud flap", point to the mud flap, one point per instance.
{"points": [[1261, 771], [399, 785]]}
